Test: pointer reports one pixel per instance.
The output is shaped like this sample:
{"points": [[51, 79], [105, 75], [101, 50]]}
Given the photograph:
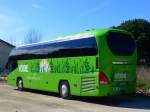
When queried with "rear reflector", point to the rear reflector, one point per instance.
{"points": [[103, 79]]}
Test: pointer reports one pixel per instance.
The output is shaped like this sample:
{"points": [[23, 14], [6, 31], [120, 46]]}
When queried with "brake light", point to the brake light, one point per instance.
{"points": [[103, 79]]}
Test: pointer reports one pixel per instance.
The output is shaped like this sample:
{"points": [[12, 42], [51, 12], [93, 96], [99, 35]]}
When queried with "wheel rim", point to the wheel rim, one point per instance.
{"points": [[20, 84], [64, 90]]}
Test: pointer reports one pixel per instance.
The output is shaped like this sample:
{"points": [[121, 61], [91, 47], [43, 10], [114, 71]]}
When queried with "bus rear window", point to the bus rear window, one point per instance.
{"points": [[121, 44]]}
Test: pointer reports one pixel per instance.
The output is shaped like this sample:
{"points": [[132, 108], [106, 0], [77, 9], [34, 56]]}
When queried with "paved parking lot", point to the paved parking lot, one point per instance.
{"points": [[12, 100]]}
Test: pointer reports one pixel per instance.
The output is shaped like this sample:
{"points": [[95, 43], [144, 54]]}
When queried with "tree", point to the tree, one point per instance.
{"points": [[136, 27], [140, 29], [32, 36]]}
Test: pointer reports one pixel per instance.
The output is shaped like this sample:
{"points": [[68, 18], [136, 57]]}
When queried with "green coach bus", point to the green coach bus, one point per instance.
{"points": [[91, 63]]}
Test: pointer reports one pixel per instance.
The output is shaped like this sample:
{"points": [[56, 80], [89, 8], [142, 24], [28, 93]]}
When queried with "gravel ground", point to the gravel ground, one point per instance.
{"points": [[12, 100]]}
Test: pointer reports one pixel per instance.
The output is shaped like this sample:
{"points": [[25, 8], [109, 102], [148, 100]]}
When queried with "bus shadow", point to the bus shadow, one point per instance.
{"points": [[133, 101], [40, 92]]}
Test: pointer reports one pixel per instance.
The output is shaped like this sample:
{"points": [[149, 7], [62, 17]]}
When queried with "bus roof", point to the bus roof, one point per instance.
{"points": [[60, 39], [75, 36]]}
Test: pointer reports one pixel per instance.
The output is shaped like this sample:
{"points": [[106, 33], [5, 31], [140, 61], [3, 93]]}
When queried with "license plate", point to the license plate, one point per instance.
{"points": [[120, 76]]}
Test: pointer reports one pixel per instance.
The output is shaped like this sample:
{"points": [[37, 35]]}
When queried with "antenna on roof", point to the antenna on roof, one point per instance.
{"points": [[90, 29]]}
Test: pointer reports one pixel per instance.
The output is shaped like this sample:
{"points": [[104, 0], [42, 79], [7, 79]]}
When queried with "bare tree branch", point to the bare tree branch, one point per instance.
{"points": [[12, 40], [32, 36]]}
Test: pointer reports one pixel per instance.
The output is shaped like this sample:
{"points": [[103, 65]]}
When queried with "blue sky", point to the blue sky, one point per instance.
{"points": [[61, 17]]}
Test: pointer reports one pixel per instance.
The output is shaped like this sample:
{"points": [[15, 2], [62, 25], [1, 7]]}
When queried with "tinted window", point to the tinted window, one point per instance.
{"points": [[70, 48], [121, 44]]}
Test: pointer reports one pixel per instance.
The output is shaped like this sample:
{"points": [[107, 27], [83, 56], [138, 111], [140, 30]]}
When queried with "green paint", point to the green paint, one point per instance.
{"points": [[45, 74]]}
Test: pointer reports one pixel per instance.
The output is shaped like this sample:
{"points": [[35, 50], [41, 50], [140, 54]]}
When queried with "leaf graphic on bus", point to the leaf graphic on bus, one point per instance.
{"points": [[67, 65], [87, 67]]}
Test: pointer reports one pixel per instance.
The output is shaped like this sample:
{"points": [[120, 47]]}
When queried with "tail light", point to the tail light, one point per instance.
{"points": [[103, 79]]}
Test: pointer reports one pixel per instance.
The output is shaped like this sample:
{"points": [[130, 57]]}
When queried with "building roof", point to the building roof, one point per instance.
{"points": [[6, 43]]}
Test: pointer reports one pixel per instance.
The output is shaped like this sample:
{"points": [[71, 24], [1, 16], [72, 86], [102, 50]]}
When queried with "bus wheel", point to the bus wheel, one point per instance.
{"points": [[20, 84], [64, 90]]}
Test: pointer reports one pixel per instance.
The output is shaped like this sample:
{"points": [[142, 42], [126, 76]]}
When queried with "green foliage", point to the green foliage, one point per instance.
{"points": [[140, 29]]}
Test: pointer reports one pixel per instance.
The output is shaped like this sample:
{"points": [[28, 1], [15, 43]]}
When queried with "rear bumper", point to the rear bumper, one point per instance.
{"points": [[107, 90]]}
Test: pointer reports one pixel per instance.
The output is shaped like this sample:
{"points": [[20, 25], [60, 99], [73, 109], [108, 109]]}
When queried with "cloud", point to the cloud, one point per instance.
{"points": [[101, 6], [37, 6], [5, 20], [11, 26]]}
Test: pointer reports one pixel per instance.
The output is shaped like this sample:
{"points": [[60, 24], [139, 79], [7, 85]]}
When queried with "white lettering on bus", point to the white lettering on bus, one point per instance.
{"points": [[23, 68], [44, 66]]}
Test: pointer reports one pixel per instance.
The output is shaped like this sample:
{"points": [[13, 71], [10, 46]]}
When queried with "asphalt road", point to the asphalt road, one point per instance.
{"points": [[12, 100]]}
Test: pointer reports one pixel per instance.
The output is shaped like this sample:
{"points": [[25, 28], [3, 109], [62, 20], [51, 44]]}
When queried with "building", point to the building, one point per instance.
{"points": [[5, 49]]}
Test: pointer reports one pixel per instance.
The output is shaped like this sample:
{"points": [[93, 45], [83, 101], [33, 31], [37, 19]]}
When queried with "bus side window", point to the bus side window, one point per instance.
{"points": [[97, 62], [12, 65]]}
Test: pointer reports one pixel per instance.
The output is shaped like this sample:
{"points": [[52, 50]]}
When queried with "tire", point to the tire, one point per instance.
{"points": [[64, 90], [20, 84]]}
